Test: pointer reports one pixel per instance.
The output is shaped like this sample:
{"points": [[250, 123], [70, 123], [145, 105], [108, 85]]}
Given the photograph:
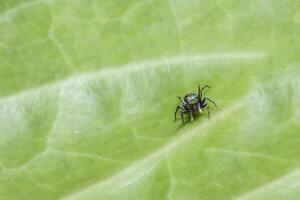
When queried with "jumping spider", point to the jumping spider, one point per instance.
{"points": [[192, 103]]}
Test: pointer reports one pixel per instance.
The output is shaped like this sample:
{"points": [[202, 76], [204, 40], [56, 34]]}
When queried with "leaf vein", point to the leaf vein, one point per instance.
{"points": [[146, 65], [179, 140], [249, 154]]}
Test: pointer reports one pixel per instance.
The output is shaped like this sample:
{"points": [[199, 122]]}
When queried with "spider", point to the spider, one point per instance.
{"points": [[192, 103]]}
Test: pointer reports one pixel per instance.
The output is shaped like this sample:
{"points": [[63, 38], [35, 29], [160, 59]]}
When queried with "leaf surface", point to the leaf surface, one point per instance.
{"points": [[88, 93]]}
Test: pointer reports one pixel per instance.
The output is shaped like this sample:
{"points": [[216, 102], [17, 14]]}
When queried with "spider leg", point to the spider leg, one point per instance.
{"points": [[182, 118], [177, 108], [184, 110], [199, 108], [208, 112], [206, 86], [206, 98], [181, 99], [199, 93], [191, 115], [176, 112]]}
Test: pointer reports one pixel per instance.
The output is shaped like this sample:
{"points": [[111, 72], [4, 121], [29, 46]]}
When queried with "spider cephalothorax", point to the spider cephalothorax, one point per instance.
{"points": [[193, 103]]}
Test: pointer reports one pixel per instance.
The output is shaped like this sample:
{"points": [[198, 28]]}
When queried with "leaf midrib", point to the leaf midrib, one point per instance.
{"points": [[184, 137], [140, 66], [163, 151]]}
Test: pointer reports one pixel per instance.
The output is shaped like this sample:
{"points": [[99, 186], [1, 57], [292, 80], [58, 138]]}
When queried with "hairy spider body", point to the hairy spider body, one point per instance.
{"points": [[194, 103]]}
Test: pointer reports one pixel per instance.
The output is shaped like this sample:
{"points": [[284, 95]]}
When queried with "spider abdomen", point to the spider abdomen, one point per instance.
{"points": [[195, 108]]}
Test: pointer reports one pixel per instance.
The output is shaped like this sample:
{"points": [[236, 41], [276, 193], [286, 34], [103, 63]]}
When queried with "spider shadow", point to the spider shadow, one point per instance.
{"points": [[198, 117]]}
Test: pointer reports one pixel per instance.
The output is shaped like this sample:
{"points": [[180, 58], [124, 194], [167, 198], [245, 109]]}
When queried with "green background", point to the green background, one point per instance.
{"points": [[88, 93]]}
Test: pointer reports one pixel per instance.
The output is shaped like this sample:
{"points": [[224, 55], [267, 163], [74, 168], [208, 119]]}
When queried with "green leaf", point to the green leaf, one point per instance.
{"points": [[88, 93]]}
